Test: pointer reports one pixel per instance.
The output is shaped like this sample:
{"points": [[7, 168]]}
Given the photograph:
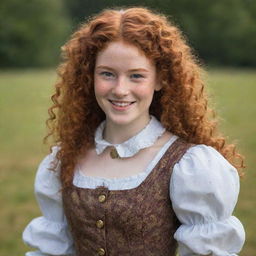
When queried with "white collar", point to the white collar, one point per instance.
{"points": [[145, 138]]}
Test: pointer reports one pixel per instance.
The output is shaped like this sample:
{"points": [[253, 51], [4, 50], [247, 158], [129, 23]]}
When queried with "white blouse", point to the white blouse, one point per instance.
{"points": [[204, 189]]}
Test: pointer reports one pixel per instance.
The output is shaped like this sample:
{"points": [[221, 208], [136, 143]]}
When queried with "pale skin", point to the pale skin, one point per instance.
{"points": [[123, 75], [104, 166]]}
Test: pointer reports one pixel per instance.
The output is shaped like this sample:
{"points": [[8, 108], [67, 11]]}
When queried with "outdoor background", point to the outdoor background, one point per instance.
{"points": [[223, 36]]}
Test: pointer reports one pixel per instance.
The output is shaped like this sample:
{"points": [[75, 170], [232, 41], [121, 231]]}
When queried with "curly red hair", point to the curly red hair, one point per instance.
{"points": [[181, 105]]}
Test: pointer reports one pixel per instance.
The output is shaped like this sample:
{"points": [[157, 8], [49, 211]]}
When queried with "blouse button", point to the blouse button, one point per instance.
{"points": [[101, 251], [99, 224], [102, 198]]}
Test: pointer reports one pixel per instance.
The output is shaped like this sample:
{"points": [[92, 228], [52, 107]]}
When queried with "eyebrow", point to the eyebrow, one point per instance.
{"points": [[130, 70]]}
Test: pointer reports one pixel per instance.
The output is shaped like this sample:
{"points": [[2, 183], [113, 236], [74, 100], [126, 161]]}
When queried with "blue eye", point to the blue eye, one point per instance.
{"points": [[106, 74], [136, 76]]}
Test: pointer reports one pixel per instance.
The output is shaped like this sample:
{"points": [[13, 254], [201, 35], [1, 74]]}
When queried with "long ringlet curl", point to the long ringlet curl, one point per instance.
{"points": [[181, 105]]}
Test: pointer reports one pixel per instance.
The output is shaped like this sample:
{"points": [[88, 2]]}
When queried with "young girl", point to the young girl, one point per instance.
{"points": [[137, 167]]}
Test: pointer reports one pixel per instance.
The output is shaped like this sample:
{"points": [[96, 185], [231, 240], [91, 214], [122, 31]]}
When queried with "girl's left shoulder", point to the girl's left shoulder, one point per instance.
{"points": [[204, 173], [206, 161]]}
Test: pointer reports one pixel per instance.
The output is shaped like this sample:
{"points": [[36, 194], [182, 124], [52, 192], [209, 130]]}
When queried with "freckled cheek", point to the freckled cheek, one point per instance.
{"points": [[101, 88], [144, 92]]}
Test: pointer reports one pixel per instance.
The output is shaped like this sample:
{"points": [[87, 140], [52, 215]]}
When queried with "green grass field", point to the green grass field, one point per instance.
{"points": [[23, 109]]}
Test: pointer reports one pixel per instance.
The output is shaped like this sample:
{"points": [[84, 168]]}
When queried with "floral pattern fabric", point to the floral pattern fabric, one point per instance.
{"points": [[138, 221]]}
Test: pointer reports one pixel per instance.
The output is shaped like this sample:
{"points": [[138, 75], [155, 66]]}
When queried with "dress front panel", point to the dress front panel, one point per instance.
{"points": [[138, 221]]}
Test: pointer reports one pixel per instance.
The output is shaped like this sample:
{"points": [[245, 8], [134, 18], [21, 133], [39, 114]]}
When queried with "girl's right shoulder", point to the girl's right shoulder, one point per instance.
{"points": [[47, 177]]}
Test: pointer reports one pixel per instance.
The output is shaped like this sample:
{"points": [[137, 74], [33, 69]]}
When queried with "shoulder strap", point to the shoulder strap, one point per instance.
{"points": [[176, 152]]}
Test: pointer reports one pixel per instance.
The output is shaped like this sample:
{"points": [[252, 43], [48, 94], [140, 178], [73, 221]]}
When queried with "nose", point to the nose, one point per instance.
{"points": [[121, 87]]}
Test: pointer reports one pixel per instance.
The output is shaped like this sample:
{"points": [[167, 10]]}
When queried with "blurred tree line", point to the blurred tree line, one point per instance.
{"points": [[222, 32]]}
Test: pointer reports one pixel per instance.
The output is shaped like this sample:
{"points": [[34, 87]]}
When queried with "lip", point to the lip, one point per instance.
{"points": [[122, 101], [121, 108]]}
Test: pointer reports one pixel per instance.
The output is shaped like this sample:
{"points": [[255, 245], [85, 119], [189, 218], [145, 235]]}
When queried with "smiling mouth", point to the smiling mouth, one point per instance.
{"points": [[121, 103]]}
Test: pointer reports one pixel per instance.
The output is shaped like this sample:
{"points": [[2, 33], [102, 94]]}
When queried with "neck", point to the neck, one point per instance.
{"points": [[117, 134]]}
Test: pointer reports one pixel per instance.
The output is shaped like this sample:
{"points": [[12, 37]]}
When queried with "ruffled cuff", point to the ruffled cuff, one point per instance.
{"points": [[216, 238], [48, 237], [35, 253], [38, 253]]}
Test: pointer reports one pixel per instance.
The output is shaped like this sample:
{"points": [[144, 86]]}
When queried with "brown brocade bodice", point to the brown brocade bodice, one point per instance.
{"points": [[132, 222]]}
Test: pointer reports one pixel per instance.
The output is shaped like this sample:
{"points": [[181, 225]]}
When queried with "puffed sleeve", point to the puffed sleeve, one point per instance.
{"points": [[49, 234], [204, 189]]}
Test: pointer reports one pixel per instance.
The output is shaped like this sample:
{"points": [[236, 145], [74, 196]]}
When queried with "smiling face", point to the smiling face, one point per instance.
{"points": [[124, 84]]}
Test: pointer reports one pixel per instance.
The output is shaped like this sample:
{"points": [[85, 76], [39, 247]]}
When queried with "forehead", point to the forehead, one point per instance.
{"points": [[123, 54]]}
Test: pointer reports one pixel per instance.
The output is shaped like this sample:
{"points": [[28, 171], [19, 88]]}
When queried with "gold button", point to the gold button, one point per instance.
{"points": [[102, 198], [101, 251], [99, 224]]}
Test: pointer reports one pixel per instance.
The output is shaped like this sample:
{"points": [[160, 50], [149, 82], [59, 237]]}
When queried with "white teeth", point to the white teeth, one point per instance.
{"points": [[121, 104]]}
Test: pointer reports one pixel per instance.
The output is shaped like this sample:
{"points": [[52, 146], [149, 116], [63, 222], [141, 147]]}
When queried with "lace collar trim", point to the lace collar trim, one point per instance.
{"points": [[145, 138]]}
